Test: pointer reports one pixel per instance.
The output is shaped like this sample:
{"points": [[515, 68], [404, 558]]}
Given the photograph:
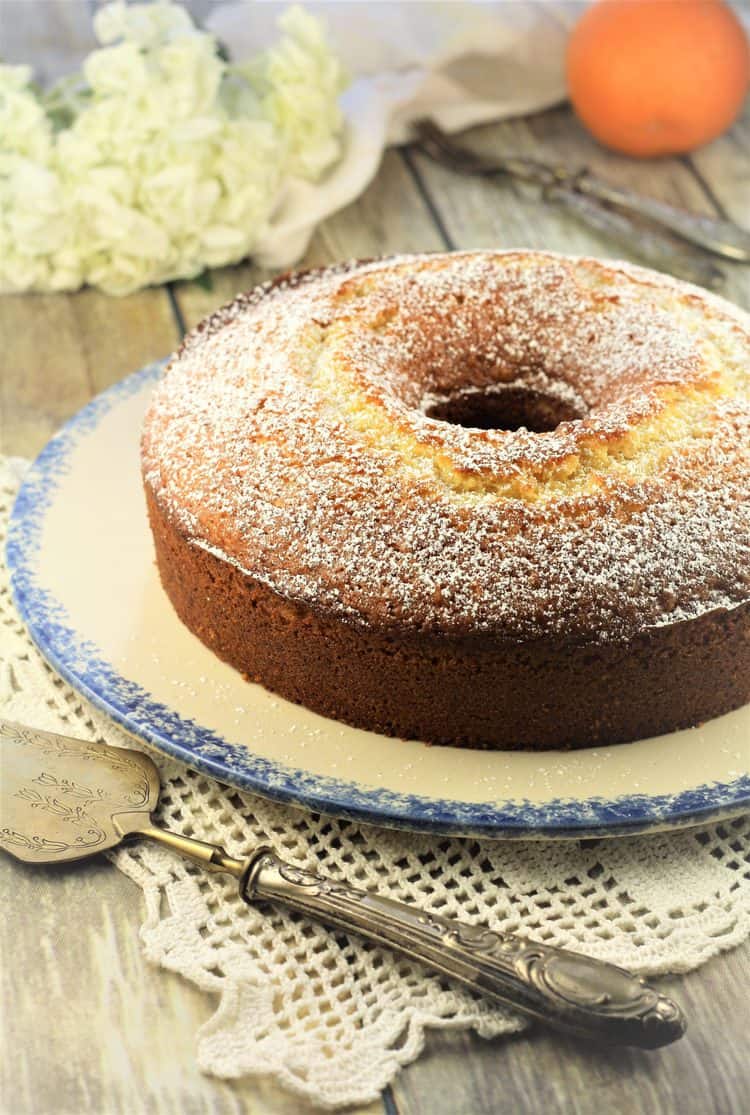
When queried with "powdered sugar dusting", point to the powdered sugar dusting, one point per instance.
{"points": [[290, 437]]}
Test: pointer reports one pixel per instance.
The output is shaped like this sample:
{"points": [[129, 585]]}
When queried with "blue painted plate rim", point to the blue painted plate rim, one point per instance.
{"points": [[80, 663]]}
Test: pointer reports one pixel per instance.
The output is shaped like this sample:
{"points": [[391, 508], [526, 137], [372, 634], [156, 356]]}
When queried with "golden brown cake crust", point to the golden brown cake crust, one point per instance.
{"points": [[491, 587]]}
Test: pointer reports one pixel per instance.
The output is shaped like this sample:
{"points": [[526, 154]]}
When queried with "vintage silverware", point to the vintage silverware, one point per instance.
{"points": [[64, 799], [654, 229]]}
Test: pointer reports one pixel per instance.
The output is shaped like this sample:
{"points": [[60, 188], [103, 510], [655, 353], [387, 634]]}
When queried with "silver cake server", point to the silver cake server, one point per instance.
{"points": [[63, 799], [669, 238]]}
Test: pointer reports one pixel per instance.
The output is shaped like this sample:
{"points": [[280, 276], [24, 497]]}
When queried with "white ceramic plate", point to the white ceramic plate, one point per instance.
{"points": [[84, 579]]}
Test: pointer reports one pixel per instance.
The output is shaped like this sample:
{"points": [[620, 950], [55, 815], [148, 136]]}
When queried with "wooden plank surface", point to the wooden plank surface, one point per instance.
{"points": [[723, 168], [60, 349], [706, 1073], [87, 1027]]}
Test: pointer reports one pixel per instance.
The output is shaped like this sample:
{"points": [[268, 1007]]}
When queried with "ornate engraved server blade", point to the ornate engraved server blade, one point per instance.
{"points": [[59, 795]]}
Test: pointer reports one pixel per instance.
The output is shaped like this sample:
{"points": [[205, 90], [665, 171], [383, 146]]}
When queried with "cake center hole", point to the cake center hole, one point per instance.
{"points": [[503, 408]]}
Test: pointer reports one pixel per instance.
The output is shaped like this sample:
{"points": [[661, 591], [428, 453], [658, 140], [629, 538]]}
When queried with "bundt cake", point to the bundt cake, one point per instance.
{"points": [[488, 499]]}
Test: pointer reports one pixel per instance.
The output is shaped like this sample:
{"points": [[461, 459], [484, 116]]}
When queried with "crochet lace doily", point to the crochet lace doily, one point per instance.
{"points": [[332, 1018]]}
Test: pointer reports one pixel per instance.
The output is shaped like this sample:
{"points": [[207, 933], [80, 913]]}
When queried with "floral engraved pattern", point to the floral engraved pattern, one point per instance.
{"points": [[73, 814], [33, 843], [577, 992], [66, 786], [299, 877], [89, 839], [70, 804], [49, 745], [66, 814]]}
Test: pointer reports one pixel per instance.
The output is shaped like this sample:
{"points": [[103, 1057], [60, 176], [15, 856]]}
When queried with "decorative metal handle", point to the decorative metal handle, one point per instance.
{"points": [[565, 990], [717, 235], [660, 250]]}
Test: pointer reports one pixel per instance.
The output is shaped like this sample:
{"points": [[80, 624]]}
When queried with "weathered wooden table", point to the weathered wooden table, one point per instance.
{"points": [[88, 1027]]}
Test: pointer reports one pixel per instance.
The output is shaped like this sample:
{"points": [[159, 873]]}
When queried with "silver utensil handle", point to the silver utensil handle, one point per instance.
{"points": [[659, 250], [717, 235], [565, 990]]}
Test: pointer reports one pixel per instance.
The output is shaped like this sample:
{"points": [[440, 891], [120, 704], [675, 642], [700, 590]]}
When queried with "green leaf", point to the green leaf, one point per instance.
{"points": [[205, 281]]}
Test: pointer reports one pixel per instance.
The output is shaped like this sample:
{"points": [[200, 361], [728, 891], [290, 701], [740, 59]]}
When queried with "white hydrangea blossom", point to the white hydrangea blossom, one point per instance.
{"points": [[163, 159], [299, 81]]}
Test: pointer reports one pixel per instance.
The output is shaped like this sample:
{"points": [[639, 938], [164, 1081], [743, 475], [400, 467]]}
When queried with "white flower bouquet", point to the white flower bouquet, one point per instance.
{"points": [[161, 158]]}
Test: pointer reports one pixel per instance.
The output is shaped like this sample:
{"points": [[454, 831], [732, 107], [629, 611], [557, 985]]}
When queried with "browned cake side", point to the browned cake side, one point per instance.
{"points": [[339, 513], [471, 692]]}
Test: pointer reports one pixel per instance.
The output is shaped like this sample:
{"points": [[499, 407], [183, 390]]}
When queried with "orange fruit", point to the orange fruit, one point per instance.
{"points": [[657, 77]]}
